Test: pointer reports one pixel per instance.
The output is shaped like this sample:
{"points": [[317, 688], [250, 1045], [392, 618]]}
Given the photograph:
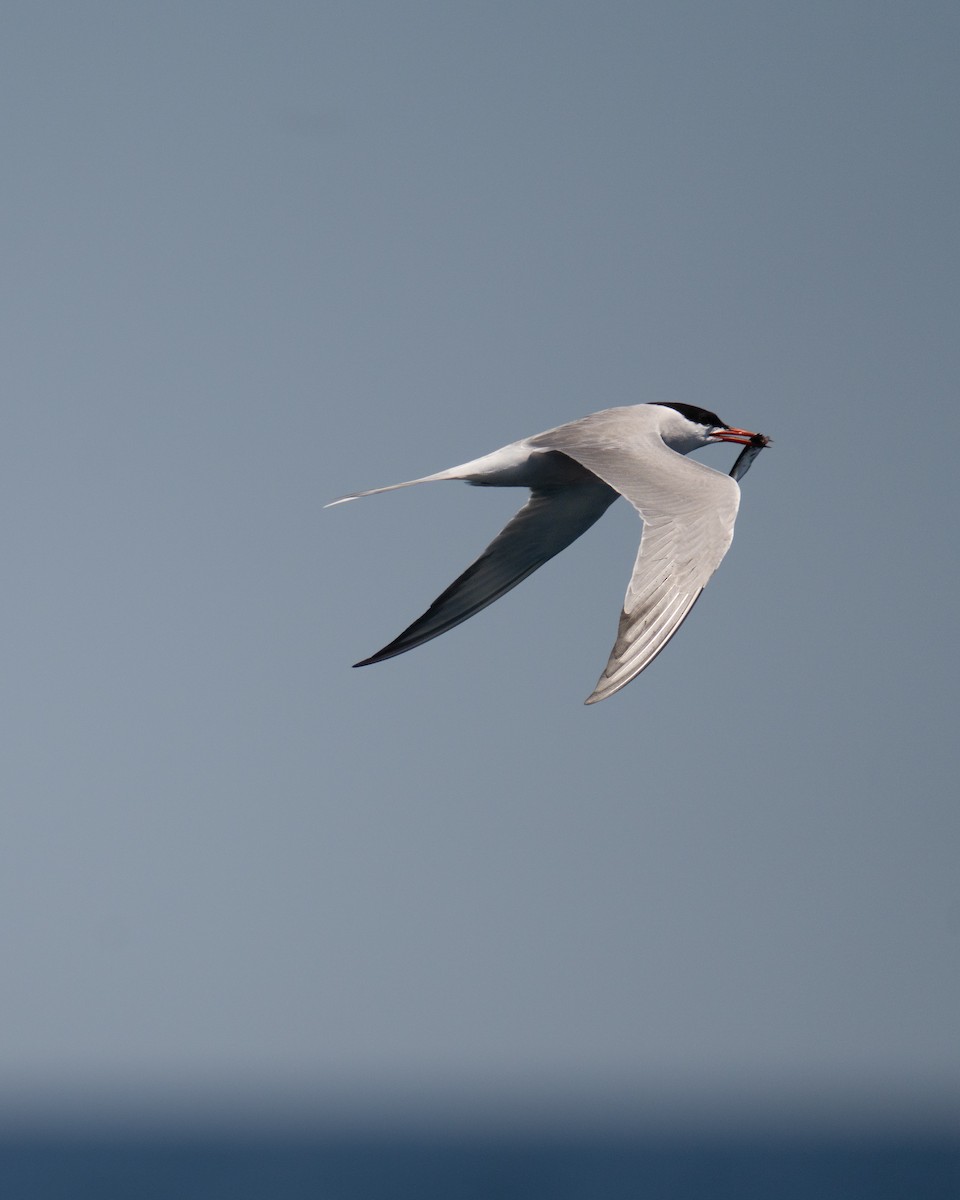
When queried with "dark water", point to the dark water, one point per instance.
{"points": [[419, 1168]]}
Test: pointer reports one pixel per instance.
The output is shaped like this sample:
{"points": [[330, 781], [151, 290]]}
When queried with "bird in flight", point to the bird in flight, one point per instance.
{"points": [[574, 473]]}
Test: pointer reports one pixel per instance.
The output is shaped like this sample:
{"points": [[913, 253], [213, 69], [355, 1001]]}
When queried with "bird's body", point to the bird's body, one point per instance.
{"points": [[574, 473]]}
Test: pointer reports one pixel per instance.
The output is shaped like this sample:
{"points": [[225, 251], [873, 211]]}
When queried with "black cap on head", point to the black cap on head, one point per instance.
{"points": [[702, 416]]}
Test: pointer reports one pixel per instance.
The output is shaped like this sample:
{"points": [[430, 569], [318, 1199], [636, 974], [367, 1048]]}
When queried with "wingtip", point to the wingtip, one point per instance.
{"points": [[389, 651], [605, 689], [602, 691]]}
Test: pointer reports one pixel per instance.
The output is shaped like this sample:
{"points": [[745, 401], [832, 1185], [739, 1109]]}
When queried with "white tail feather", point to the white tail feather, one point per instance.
{"points": [[392, 487]]}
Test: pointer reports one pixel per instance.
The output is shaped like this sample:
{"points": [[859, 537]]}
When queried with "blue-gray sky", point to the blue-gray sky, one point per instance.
{"points": [[257, 255]]}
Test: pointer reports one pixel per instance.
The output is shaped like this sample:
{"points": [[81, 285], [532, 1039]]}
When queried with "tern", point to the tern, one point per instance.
{"points": [[574, 473]]}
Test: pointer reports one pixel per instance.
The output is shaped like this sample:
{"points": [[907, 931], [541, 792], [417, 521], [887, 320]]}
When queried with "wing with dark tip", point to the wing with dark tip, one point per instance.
{"points": [[678, 554], [688, 513], [550, 520]]}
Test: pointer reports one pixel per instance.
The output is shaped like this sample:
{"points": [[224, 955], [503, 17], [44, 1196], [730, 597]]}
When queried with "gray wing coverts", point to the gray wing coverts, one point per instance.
{"points": [[688, 512]]}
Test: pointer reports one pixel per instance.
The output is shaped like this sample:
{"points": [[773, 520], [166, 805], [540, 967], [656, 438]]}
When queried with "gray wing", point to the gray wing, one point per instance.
{"points": [[550, 520], [688, 513]]}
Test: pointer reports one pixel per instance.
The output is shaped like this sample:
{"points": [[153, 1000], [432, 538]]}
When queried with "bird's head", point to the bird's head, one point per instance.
{"points": [[685, 427]]}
